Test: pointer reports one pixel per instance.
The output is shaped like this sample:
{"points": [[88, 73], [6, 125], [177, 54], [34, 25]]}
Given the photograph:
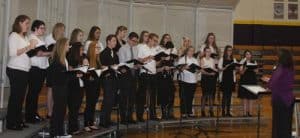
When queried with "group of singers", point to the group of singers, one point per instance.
{"points": [[131, 71]]}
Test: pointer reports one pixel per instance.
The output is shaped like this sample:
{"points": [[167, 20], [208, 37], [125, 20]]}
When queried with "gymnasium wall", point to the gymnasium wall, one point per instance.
{"points": [[254, 24]]}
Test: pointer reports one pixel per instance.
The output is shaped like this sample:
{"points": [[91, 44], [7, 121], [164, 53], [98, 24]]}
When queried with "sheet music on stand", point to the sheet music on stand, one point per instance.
{"points": [[256, 89]]}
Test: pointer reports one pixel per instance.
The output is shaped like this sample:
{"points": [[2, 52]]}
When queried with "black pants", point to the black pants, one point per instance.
{"points": [[37, 77], [208, 85], [127, 87], [109, 94], [166, 92], [281, 120], [74, 102], [226, 100], [60, 97], [146, 84], [186, 97], [18, 81], [92, 92]]}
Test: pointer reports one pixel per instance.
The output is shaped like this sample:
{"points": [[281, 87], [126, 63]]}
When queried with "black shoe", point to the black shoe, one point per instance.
{"points": [[211, 114], [34, 120], [228, 115], [191, 116], [249, 115], [124, 122], [17, 128], [184, 116], [131, 121], [141, 119], [203, 114], [223, 113], [24, 125], [104, 125], [154, 118]]}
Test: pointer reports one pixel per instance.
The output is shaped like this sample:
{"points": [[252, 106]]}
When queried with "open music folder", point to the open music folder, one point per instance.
{"points": [[256, 89]]}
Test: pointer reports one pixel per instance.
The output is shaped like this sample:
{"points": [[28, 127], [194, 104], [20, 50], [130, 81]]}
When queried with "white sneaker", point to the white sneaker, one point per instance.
{"points": [[64, 136]]}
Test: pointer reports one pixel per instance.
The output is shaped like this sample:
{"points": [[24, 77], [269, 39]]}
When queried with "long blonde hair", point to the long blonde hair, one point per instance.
{"points": [[59, 51], [94, 59]]}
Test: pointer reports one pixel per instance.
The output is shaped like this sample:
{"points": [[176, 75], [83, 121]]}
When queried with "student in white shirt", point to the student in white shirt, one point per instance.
{"points": [[128, 78], [146, 54], [37, 73], [165, 84], [130, 50], [58, 32], [208, 81], [17, 70], [188, 82], [94, 35], [210, 42]]}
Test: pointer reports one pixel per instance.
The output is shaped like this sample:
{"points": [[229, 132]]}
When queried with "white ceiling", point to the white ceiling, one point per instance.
{"points": [[223, 4]]}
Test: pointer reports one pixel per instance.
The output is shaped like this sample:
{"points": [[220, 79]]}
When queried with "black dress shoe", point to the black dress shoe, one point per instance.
{"points": [[228, 115], [18, 127], [211, 114], [34, 120], [203, 114], [104, 125], [140, 120], [23, 125], [154, 118], [132, 121]]}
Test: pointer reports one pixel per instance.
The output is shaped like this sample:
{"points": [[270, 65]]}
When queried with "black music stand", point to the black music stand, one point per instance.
{"points": [[259, 91]]}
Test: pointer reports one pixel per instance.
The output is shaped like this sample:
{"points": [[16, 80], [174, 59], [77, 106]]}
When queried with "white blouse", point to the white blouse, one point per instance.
{"points": [[19, 62], [87, 44], [145, 51], [40, 62], [187, 76]]}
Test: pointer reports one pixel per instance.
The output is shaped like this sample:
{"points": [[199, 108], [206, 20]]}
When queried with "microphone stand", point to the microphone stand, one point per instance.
{"points": [[179, 132]]}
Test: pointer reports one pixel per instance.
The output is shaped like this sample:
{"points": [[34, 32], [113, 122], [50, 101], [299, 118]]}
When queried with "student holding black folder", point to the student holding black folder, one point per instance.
{"points": [[17, 70], [165, 74], [37, 73], [248, 72], [188, 81], [76, 59], [227, 78], [61, 79], [128, 78], [109, 58], [146, 53], [58, 32], [208, 81], [92, 86]]}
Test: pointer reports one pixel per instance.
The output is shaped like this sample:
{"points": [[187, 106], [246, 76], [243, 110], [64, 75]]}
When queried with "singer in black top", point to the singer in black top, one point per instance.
{"points": [[227, 79], [75, 58], [120, 34], [248, 77], [61, 78], [108, 57], [92, 86], [165, 74]]}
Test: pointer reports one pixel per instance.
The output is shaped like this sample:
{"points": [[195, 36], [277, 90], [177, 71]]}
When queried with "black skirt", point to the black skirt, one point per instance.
{"points": [[248, 78]]}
